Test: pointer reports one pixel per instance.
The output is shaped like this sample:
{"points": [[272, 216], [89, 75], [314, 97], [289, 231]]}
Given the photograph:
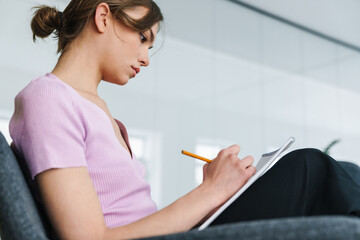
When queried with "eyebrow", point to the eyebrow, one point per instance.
{"points": [[152, 38]]}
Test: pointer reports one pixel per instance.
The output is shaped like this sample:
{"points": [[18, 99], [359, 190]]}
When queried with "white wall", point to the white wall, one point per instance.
{"points": [[219, 80]]}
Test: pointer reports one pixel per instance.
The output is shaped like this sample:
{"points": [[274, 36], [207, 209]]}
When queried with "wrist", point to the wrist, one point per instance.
{"points": [[210, 195]]}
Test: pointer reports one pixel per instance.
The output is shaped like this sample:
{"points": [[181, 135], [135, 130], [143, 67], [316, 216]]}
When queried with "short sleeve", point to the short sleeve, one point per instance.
{"points": [[46, 128]]}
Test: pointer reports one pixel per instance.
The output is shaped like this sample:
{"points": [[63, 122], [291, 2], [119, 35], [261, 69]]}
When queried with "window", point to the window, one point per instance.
{"points": [[208, 149], [4, 125], [146, 148]]}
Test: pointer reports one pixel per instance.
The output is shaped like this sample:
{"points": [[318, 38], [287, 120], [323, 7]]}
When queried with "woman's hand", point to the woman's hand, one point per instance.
{"points": [[77, 214], [226, 174]]}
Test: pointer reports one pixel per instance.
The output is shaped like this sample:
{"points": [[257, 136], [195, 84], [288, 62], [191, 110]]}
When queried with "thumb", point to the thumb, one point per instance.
{"points": [[205, 167]]}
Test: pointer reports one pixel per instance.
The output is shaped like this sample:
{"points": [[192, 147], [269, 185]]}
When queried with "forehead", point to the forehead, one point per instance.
{"points": [[154, 29], [136, 12]]}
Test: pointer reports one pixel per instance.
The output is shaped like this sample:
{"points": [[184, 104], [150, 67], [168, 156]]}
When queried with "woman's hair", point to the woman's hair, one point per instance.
{"points": [[69, 24]]}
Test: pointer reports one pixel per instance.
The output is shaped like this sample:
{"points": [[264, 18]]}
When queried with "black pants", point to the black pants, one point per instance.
{"points": [[303, 183]]}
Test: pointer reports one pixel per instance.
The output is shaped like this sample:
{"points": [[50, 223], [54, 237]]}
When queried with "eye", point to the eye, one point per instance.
{"points": [[143, 38]]}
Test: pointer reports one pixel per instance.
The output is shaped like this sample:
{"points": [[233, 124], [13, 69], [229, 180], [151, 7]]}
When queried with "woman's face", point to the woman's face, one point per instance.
{"points": [[126, 50]]}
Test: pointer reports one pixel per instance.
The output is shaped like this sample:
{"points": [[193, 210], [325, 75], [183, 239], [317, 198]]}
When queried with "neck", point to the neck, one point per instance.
{"points": [[78, 68]]}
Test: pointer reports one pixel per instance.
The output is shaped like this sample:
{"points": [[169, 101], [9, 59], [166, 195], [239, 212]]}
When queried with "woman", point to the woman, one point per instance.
{"points": [[90, 183]]}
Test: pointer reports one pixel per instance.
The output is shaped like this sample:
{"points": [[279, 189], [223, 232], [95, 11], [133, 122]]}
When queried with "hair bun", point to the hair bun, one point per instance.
{"points": [[45, 21]]}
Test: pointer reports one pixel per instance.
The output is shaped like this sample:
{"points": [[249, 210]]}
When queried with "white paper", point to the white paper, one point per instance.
{"points": [[265, 163]]}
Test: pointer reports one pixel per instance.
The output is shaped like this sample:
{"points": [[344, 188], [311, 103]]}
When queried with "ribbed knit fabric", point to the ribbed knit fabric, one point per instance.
{"points": [[53, 126]]}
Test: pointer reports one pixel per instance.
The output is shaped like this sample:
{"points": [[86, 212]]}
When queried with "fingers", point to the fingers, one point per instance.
{"points": [[228, 172], [233, 149], [205, 167], [232, 152], [252, 170], [244, 165], [247, 161]]}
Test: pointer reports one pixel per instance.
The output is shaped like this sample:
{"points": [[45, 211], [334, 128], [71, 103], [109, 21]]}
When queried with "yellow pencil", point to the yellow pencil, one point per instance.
{"points": [[195, 156]]}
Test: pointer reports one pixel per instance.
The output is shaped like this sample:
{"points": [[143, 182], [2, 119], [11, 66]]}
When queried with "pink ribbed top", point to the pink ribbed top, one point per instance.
{"points": [[53, 126]]}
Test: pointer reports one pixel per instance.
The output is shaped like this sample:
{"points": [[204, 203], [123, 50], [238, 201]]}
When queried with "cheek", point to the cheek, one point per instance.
{"points": [[134, 45]]}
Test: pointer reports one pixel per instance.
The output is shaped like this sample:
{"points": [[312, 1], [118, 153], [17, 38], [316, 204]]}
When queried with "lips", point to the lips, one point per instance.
{"points": [[136, 70]]}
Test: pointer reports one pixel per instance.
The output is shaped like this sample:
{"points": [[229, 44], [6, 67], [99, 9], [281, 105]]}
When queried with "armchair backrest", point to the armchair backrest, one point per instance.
{"points": [[19, 215]]}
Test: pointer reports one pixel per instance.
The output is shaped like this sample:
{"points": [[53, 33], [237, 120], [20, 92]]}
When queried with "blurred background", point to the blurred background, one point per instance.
{"points": [[222, 72]]}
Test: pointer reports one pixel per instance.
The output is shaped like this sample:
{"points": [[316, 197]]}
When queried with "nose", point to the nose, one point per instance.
{"points": [[144, 58]]}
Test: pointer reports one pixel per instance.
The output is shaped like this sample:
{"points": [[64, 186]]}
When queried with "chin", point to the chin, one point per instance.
{"points": [[119, 81], [124, 81]]}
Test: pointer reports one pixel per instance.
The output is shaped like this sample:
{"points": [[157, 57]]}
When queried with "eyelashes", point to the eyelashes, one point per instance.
{"points": [[143, 38]]}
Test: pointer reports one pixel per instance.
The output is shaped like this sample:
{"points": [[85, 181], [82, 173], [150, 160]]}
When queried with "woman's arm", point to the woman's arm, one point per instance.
{"points": [[75, 212]]}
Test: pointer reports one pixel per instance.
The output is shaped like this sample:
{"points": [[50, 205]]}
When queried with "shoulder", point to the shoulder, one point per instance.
{"points": [[44, 114], [43, 89], [44, 96], [43, 102]]}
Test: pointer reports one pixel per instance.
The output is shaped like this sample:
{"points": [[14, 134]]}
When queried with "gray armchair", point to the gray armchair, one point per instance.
{"points": [[21, 218]]}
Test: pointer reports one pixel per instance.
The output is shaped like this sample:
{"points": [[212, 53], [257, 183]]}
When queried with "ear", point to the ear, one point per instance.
{"points": [[102, 17]]}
